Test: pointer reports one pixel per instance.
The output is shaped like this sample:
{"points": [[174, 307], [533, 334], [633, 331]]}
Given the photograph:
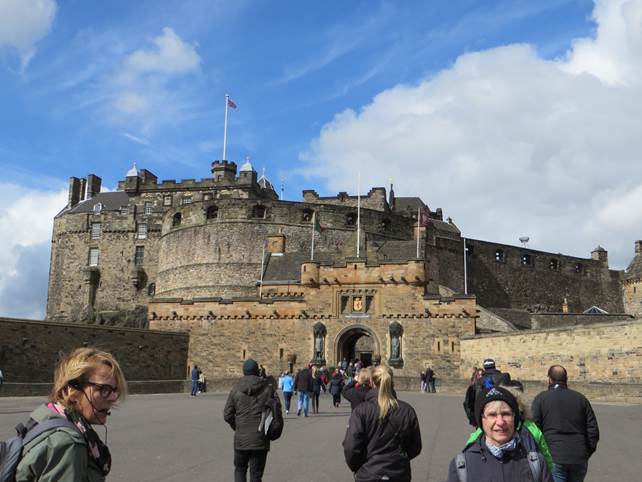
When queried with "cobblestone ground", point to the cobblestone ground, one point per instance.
{"points": [[176, 437]]}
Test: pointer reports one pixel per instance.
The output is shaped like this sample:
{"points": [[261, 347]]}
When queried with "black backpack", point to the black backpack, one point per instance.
{"points": [[271, 418], [11, 450]]}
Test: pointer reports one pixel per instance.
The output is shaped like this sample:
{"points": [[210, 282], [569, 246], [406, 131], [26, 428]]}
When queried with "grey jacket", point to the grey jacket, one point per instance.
{"points": [[482, 466], [56, 455]]}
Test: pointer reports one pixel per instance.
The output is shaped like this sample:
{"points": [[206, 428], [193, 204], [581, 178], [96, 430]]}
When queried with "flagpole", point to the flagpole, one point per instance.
{"points": [[465, 270], [418, 224], [262, 269], [227, 100], [314, 214], [359, 215]]}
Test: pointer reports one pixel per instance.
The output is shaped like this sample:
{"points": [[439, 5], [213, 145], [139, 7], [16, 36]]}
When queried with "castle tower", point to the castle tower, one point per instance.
{"points": [[632, 283]]}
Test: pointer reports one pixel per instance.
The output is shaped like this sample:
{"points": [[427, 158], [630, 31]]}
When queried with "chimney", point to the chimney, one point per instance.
{"points": [[74, 192], [638, 247], [93, 185], [83, 188]]}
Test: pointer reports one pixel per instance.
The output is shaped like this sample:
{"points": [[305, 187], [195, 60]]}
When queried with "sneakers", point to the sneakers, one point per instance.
{"points": [[287, 412], [298, 413]]}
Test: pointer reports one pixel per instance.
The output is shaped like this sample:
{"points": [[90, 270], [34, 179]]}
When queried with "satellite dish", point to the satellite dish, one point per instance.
{"points": [[524, 240]]}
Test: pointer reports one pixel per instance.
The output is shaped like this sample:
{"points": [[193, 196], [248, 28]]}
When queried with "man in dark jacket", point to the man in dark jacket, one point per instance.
{"points": [[491, 377], [303, 385], [568, 424], [243, 412], [430, 380]]}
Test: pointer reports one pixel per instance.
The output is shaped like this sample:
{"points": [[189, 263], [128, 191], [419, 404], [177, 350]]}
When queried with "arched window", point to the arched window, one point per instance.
{"points": [[553, 264], [259, 211], [98, 207], [351, 219], [527, 259], [212, 212], [176, 220], [579, 268], [307, 215], [151, 289], [500, 256]]}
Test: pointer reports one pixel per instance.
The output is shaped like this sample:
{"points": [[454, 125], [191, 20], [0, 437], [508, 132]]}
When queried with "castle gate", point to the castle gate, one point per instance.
{"points": [[357, 341]]}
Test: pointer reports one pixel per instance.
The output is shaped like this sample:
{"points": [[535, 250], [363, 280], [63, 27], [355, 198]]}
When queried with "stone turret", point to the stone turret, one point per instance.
{"points": [[224, 170], [600, 254]]}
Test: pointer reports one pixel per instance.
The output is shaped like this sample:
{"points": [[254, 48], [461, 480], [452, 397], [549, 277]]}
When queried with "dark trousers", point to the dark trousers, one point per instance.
{"points": [[287, 397], [315, 402], [255, 459]]}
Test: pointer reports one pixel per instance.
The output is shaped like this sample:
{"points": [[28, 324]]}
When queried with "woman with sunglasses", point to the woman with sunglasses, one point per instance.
{"points": [[87, 384]]}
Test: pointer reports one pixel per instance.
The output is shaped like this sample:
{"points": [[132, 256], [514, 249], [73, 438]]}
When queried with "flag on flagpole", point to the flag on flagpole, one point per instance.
{"points": [[424, 219], [231, 103], [317, 225]]}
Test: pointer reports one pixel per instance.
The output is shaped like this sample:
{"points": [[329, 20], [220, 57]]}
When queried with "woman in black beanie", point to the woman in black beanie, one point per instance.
{"points": [[499, 453]]}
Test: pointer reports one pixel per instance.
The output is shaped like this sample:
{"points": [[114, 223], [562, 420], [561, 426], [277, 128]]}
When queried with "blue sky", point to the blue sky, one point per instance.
{"points": [[516, 117]]}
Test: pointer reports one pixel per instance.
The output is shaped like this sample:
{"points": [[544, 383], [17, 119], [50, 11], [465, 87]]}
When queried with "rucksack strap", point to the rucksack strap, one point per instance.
{"points": [[460, 465], [42, 427], [535, 463]]}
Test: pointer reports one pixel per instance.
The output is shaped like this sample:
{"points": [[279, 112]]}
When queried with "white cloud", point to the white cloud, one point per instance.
{"points": [[23, 23], [510, 144], [24, 260], [139, 87]]}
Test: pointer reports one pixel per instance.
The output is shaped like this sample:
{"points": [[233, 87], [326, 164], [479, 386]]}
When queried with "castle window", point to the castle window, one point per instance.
{"points": [[167, 200], [176, 220], [94, 255], [351, 219], [526, 259], [212, 212], [149, 207], [141, 232], [470, 250], [96, 230], [307, 215], [386, 224], [207, 196], [500, 256], [98, 207], [579, 268], [553, 264], [259, 211], [186, 200], [139, 257], [151, 289], [280, 353]]}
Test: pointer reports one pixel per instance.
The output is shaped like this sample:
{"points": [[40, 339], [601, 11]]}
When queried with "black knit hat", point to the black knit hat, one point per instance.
{"points": [[494, 394], [250, 367]]}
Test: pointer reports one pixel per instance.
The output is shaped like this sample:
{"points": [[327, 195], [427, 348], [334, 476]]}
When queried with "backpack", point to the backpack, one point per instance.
{"points": [[271, 420], [534, 462], [11, 450]]}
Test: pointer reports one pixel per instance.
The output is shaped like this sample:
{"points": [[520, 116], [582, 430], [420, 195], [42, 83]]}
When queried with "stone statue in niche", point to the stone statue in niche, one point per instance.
{"points": [[394, 345], [395, 330], [319, 342]]}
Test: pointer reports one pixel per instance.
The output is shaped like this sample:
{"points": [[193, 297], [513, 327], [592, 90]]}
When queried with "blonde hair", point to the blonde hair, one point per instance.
{"points": [[76, 368], [315, 370], [524, 411], [364, 376], [382, 379]]}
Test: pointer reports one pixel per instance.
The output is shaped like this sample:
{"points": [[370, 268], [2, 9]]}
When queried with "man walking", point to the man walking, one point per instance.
{"points": [[195, 375], [569, 426], [430, 380], [303, 385], [243, 412]]}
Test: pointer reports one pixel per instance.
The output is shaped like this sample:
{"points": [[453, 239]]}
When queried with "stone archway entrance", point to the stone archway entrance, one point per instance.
{"points": [[357, 342]]}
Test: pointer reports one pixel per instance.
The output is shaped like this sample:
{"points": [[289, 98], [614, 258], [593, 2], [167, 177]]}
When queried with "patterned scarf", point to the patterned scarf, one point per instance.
{"points": [[96, 449], [498, 452]]}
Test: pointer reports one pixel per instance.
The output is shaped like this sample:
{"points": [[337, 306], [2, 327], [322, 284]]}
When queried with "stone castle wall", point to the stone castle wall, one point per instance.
{"points": [[610, 353], [29, 350], [538, 286]]}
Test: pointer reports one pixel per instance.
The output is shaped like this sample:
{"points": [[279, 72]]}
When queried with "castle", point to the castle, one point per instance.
{"points": [[226, 260]]}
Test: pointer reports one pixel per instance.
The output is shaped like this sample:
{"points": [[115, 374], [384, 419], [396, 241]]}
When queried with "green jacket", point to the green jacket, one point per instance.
{"points": [[534, 431], [56, 455]]}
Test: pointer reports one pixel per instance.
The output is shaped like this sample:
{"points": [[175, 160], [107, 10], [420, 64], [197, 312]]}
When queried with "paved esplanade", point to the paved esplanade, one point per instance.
{"points": [[176, 437]]}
